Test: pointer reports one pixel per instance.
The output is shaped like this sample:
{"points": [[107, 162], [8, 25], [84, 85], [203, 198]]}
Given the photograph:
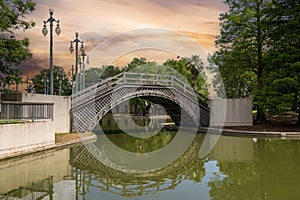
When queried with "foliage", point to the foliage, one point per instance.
{"points": [[141, 106], [192, 70], [135, 64], [259, 53], [242, 40], [13, 51], [60, 82], [237, 81], [281, 90], [94, 75]]}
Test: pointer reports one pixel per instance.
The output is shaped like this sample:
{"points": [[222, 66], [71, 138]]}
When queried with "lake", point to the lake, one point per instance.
{"points": [[142, 163]]}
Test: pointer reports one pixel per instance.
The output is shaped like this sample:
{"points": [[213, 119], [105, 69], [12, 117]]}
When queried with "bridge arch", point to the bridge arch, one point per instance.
{"points": [[179, 100]]}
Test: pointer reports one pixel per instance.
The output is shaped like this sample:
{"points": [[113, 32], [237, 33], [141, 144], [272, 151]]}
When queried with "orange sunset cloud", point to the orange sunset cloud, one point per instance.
{"points": [[97, 21]]}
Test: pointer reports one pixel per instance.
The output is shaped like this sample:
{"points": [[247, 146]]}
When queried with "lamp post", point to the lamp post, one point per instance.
{"points": [[71, 74], [76, 41], [82, 70], [45, 31]]}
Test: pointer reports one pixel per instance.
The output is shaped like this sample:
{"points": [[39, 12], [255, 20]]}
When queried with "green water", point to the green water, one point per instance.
{"points": [[236, 168]]}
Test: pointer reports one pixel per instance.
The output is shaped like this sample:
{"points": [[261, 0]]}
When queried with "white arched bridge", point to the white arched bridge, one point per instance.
{"points": [[180, 101]]}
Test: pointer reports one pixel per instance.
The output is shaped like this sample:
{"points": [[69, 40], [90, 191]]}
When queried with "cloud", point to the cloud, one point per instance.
{"points": [[208, 4], [33, 66], [97, 21], [204, 40], [145, 40]]}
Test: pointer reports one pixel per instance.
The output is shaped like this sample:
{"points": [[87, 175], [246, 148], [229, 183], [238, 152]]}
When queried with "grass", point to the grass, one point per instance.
{"points": [[63, 137], [10, 121]]}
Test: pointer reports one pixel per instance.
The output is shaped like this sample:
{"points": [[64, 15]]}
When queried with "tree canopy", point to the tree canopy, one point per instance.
{"points": [[258, 53], [13, 51], [281, 89], [61, 82]]}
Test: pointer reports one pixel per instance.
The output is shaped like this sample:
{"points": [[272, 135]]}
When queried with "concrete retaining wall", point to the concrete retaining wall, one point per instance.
{"points": [[61, 110], [22, 137], [231, 112]]}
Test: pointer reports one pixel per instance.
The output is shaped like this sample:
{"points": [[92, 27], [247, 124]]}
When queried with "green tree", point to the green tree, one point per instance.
{"points": [[110, 71], [133, 65], [281, 91], [243, 44], [13, 51], [94, 75], [61, 82], [192, 70]]}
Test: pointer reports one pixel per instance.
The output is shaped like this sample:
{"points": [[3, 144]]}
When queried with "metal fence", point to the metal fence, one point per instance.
{"points": [[25, 111]]}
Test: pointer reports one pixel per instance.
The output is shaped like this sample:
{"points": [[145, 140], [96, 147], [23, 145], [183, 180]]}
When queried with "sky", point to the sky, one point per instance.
{"points": [[115, 31]]}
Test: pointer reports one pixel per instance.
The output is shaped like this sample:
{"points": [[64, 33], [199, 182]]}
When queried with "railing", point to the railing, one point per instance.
{"points": [[25, 111], [136, 79]]}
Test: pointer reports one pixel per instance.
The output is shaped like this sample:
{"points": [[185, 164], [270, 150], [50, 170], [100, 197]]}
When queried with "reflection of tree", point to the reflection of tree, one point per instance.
{"points": [[273, 174], [136, 144], [278, 162], [240, 180], [142, 145]]}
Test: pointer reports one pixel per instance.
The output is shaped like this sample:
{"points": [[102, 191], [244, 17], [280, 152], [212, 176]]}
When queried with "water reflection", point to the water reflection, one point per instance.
{"points": [[33, 176], [237, 168], [146, 149], [269, 172], [94, 173], [36, 190]]}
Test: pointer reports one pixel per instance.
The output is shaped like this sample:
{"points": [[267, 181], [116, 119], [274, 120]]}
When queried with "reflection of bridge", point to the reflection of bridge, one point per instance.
{"points": [[90, 172], [36, 190], [179, 100]]}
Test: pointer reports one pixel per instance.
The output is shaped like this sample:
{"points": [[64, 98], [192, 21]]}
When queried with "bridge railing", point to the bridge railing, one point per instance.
{"points": [[164, 80], [135, 79], [91, 91]]}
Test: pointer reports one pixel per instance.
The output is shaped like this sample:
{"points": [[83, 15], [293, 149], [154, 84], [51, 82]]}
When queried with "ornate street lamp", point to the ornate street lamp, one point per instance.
{"points": [[71, 74], [76, 41], [45, 31]]}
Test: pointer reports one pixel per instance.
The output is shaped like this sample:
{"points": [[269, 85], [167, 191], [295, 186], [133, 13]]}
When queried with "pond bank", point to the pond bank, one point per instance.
{"points": [[61, 140], [247, 133]]}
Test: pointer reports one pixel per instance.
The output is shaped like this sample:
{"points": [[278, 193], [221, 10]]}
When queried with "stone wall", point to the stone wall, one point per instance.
{"points": [[22, 137], [61, 110], [231, 112]]}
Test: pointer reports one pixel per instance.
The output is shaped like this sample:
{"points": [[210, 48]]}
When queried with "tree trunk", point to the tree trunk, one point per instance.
{"points": [[260, 116], [298, 122]]}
